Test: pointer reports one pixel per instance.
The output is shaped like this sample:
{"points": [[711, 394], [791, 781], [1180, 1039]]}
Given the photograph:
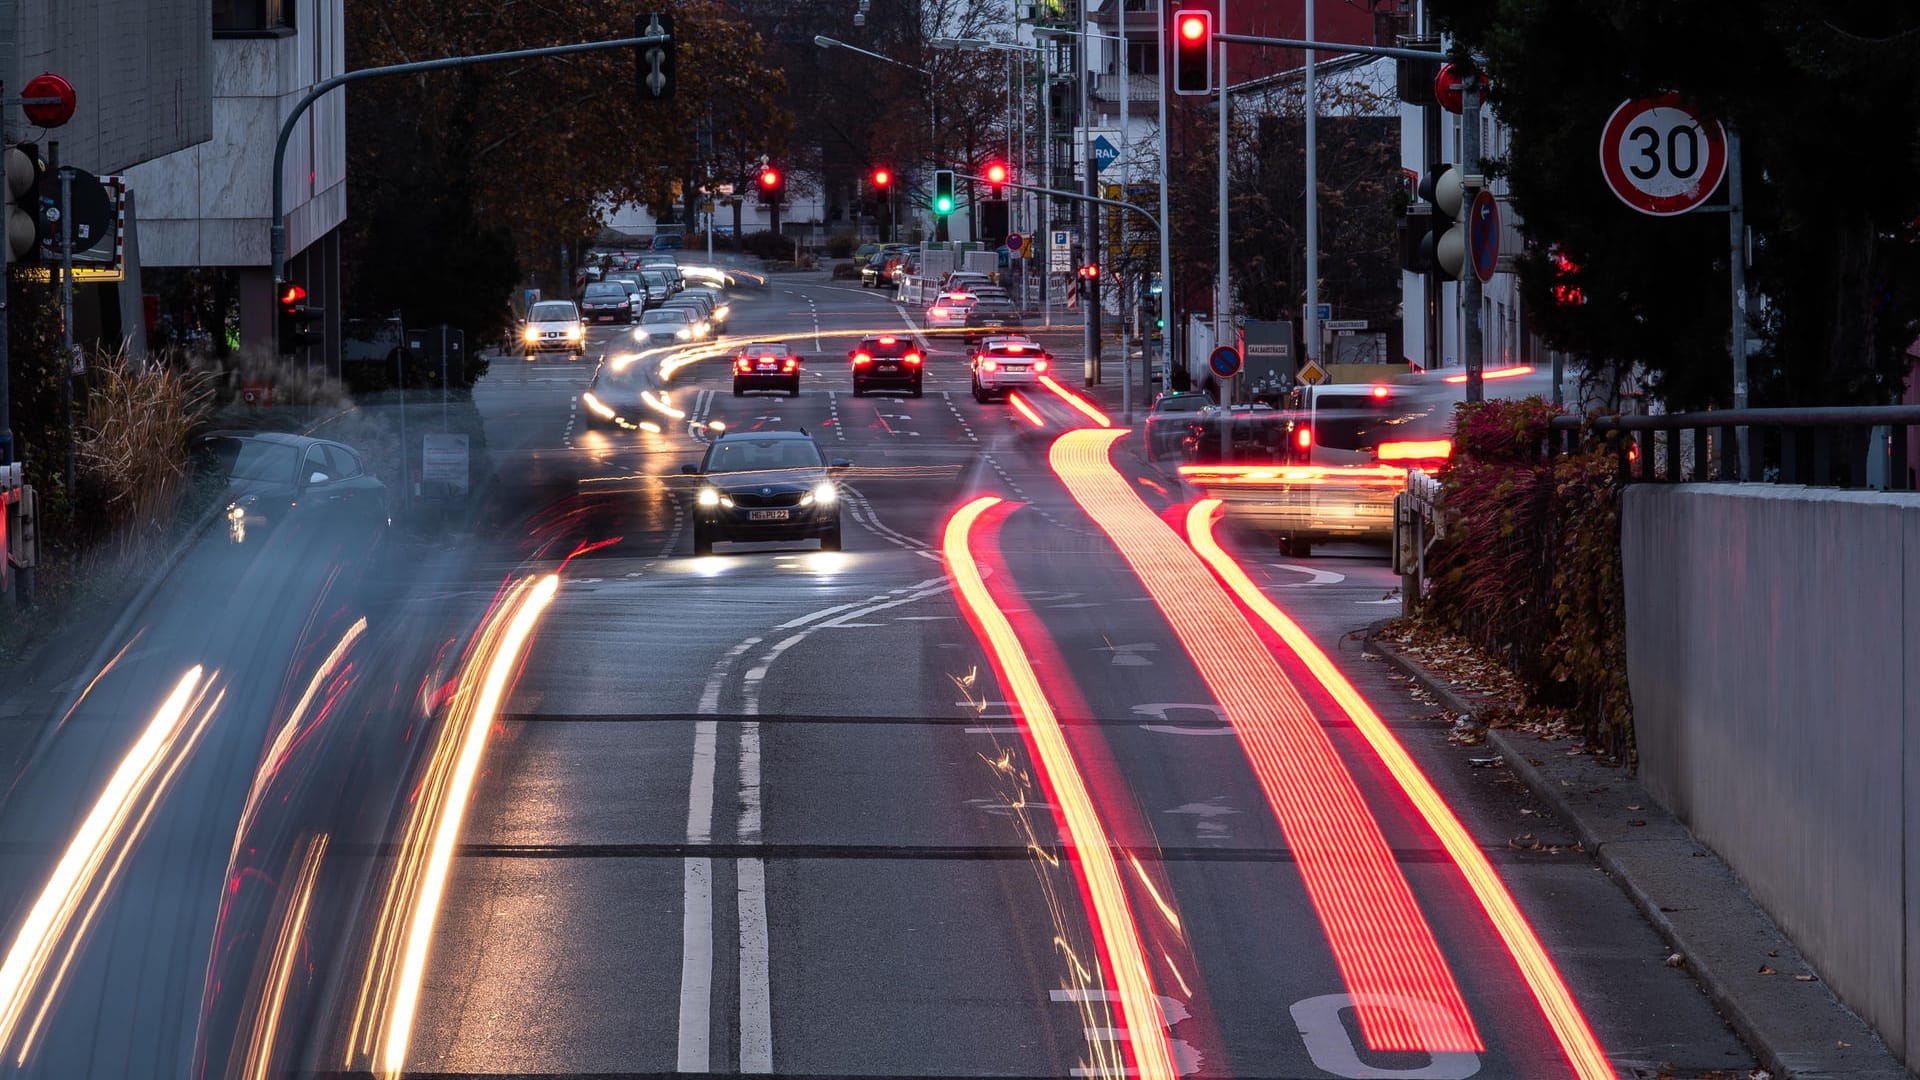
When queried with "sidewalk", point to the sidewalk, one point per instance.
{"points": [[1744, 962]]}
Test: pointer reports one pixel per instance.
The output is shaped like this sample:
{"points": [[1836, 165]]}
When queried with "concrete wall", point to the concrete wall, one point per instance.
{"points": [[209, 205], [139, 71], [1773, 646]]}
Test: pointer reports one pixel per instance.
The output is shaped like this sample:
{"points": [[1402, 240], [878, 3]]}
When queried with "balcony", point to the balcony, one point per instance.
{"points": [[1136, 87]]}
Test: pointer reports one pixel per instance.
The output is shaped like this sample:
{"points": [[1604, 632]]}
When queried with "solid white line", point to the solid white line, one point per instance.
{"points": [[696, 919], [756, 989]]}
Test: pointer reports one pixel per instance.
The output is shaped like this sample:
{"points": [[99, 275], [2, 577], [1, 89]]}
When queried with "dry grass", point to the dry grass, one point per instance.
{"points": [[133, 446]]}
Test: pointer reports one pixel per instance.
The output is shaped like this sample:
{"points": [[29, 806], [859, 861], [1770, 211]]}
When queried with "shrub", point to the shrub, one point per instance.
{"points": [[768, 245], [1530, 565], [845, 271], [840, 245], [133, 445]]}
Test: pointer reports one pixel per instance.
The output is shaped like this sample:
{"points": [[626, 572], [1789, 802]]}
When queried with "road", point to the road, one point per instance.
{"points": [[1015, 790]]}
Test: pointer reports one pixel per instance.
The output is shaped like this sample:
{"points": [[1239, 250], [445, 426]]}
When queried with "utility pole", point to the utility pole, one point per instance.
{"points": [[9, 59], [1737, 263], [1166, 173], [1311, 322], [1126, 193], [1221, 297], [1471, 343], [1090, 214]]}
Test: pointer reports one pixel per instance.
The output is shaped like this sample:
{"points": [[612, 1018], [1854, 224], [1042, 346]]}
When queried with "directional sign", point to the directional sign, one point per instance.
{"points": [[1225, 361], [1312, 373], [1483, 235], [1660, 156], [1104, 153]]}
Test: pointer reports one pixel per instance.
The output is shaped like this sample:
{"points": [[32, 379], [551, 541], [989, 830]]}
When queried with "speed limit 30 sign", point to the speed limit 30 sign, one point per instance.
{"points": [[1660, 156]]}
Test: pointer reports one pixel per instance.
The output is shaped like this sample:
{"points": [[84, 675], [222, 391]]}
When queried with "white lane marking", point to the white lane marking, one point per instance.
{"points": [[1186, 1057], [696, 917], [1320, 577], [1015, 730], [1388, 600], [756, 988], [1332, 1050]]}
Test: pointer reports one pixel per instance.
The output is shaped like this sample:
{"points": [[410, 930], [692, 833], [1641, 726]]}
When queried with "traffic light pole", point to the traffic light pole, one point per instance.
{"points": [[1471, 341], [277, 229]]}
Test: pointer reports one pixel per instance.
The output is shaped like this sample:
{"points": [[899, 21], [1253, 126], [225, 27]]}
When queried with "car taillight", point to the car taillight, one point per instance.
{"points": [[1303, 438], [1416, 450], [912, 358], [988, 365], [742, 364], [1016, 348], [886, 341], [938, 313], [1039, 365], [766, 359], [790, 364], [862, 358]]}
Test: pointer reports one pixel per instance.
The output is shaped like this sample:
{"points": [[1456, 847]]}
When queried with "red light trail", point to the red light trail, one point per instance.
{"points": [[1381, 942], [1543, 978]]}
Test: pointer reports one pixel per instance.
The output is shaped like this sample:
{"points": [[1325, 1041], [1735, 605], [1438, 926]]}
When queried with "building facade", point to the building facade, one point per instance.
{"points": [[210, 205]]}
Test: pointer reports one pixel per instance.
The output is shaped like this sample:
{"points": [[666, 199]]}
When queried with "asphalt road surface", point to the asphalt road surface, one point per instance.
{"points": [[1027, 794]]}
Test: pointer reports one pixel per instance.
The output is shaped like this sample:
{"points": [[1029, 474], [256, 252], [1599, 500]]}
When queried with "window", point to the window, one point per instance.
{"points": [[1143, 57], [345, 465], [314, 469], [252, 18]]}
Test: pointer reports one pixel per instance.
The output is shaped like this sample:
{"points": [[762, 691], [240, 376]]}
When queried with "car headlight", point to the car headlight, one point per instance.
{"points": [[683, 333], [576, 332], [709, 497], [824, 493], [531, 334], [722, 311], [597, 405]]}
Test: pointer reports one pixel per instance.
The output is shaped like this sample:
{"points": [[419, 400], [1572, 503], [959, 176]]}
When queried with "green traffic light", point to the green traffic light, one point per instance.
{"points": [[943, 206]]}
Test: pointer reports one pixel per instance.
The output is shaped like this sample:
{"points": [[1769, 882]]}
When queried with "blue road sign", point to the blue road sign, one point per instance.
{"points": [[1225, 361], [1104, 153], [1483, 234]]}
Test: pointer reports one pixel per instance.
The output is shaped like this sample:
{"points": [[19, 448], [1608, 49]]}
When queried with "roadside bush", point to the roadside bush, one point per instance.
{"points": [[840, 245], [1529, 568], [132, 448], [846, 271], [768, 245]]}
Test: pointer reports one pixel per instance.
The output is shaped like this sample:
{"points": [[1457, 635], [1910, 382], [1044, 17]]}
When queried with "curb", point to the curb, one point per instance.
{"points": [[1797, 1029]]}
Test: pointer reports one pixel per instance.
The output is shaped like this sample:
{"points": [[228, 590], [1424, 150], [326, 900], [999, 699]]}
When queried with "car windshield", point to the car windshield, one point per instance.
{"points": [[553, 311], [1178, 403], [611, 291], [755, 455], [254, 459], [667, 315]]}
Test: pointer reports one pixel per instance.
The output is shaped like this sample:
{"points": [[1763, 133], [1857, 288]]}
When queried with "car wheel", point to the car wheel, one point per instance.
{"points": [[831, 541], [1296, 549], [737, 392], [794, 390], [859, 391], [916, 389], [702, 540], [979, 393]]}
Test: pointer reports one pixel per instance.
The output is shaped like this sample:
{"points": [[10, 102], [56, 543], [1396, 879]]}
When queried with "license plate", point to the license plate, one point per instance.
{"points": [[1012, 370], [768, 366], [606, 318], [889, 367], [768, 515]]}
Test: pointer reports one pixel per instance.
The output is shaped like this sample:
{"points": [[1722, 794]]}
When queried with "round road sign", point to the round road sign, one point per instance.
{"points": [[1225, 361], [1483, 234], [1013, 241], [1660, 156], [49, 86]]}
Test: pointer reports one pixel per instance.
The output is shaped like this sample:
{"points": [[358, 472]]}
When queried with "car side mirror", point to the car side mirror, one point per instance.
{"points": [[840, 463], [317, 478], [690, 470]]}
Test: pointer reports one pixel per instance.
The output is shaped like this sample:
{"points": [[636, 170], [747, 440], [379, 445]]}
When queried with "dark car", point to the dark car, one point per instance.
{"points": [[887, 362], [765, 485], [1173, 420], [766, 365], [274, 477], [875, 272], [613, 399], [992, 316], [606, 301]]}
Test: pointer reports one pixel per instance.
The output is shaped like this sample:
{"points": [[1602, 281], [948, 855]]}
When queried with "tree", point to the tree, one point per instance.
{"points": [[1823, 95]]}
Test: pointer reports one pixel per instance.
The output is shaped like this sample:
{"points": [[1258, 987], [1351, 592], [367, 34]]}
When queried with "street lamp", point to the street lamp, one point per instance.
{"points": [[826, 42]]}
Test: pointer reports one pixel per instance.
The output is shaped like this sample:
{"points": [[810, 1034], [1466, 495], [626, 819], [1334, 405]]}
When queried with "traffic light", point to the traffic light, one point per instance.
{"points": [[1090, 271], [1444, 249], [24, 220], [653, 64], [996, 176], [295, 315], [772, 186], [943, 191], [1193, 52], [882, 179], [1565, 273]]}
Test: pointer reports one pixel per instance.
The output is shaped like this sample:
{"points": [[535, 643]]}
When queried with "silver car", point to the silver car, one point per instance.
{"points": [[554, 326]]}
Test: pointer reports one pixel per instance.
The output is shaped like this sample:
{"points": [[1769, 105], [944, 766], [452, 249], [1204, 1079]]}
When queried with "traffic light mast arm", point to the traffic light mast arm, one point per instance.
{"points": [[1057, 193], [1331, 46], [277, 228]]}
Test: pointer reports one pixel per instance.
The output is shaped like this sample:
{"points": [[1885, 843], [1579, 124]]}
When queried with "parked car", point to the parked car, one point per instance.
{"points": [[668, 242], [274, 478]]}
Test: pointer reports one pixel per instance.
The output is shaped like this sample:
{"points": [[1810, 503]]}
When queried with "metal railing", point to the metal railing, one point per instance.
{"points": [[1821, 446]]}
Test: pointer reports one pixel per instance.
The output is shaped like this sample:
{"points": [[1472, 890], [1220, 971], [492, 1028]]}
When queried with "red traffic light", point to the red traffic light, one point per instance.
{"points": [[769, 177], [996, 173], [1193, 52], [882, 178], [1193, 27], [293, 294]]}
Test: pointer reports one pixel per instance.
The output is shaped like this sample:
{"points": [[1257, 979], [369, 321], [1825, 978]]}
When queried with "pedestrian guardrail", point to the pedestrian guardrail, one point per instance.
{"points": [[1868, 446]]}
